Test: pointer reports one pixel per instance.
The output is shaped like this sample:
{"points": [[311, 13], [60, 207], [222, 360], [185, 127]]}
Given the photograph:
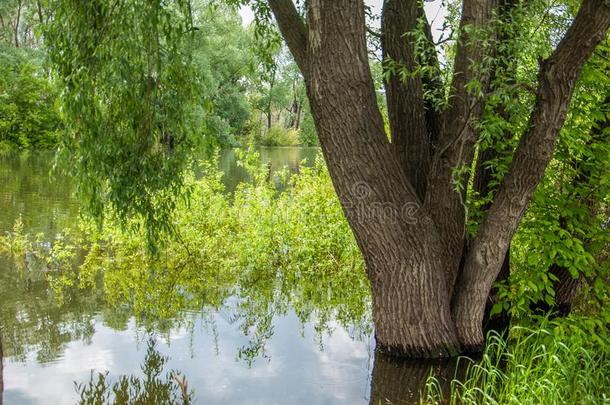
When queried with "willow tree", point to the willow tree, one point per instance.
{"points": [[398, 192], [121, 64]]}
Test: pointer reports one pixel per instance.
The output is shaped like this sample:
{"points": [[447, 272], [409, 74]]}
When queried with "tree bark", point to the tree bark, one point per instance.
{"points": [[483, 173], [557, 79], [412, 248], [566, 288], [404, 91], [269, 104], [402, 255], [17, 23], [443, 201]]}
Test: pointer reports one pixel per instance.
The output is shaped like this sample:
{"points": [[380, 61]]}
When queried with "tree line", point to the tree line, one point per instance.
{"points": [[244, 96]]}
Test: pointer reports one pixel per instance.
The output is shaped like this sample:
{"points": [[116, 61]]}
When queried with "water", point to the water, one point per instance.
{"points": [[48, 346]]}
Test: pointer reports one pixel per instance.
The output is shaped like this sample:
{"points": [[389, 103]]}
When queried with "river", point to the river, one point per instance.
{"points": [[50, 346]]}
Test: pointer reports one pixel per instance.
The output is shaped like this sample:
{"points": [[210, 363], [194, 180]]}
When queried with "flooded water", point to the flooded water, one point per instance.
{"points": [[49, 346]]}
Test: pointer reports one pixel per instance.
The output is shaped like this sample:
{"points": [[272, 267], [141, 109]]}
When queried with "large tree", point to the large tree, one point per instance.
{"points": [[398, 192], [403, 192]]}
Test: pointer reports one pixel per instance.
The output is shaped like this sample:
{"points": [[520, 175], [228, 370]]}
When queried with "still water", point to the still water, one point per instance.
{"points": [[50, 346]]}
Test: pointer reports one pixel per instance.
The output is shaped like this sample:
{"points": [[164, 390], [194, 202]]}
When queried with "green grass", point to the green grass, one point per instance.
{"points": [[564, 362]]}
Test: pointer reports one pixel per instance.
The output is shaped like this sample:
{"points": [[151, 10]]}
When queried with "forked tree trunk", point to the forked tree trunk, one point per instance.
{"points": [[410, 232], [400, 246], [557, 80]]}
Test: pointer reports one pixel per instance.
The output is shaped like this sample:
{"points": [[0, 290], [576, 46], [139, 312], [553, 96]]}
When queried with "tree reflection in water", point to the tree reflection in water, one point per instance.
{"points": [[151, 388], [394, 381], [404, 381], [163, 295]]}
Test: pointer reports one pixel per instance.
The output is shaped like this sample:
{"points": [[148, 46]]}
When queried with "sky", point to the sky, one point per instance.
{"points": [[434, 11]]}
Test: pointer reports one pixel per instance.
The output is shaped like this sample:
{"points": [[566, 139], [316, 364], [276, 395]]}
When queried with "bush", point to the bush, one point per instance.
{"points": [[290, 248], [278, 135], [309, 135]]}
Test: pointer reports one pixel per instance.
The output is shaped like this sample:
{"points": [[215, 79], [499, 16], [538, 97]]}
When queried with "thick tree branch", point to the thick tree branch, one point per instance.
{"points": [[458, 135], [557, 80], [432, 82], [404, 91], [483, 174], [293, 30]]}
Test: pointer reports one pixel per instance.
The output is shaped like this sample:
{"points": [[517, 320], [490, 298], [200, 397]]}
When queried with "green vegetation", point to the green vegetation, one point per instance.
{"points": [[271, 250], [28, 116], [277, 136], [561, 362], [275, 250], [234, 90], [467, 184]]}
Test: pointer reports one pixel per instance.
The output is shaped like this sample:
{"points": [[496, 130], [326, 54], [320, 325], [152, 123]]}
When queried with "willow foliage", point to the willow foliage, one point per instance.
{"points": [[129, 91]]}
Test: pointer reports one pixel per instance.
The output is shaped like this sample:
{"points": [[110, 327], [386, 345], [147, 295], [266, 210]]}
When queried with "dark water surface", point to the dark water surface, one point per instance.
{"points": [[48, 346]]}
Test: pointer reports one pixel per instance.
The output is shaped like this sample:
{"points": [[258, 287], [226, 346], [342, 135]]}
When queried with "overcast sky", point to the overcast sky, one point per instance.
{"points": [[434, 11]]}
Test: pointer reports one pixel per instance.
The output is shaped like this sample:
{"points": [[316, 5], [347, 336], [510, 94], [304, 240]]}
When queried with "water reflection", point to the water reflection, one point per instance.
{"points": [[403, 382], [1, 369], [150, 388], [262, 340], [275, 159]]}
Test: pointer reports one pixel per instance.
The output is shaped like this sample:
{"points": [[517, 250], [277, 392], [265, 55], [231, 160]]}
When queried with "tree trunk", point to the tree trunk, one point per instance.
{"points": [[566, 288], [39, 11], [269, 103], [406, 109], [297, 123], [17, 23], [483, 174], [399, 243], [413, 243], [557, 80], [499, 323]]}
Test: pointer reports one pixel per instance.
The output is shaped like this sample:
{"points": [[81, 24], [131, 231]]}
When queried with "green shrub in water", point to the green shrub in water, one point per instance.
{"points": [[278, 135]]}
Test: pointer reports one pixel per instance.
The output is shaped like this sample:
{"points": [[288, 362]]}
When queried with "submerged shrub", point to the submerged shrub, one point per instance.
{"points": [[270, 249], [278, 135]]}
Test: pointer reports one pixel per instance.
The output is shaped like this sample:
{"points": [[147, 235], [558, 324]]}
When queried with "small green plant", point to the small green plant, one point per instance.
{"points": [[15, 243]]}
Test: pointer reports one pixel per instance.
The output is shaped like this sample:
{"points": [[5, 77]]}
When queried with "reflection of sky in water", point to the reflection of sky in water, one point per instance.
{"points": [[293, 370], [297, 370]]}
